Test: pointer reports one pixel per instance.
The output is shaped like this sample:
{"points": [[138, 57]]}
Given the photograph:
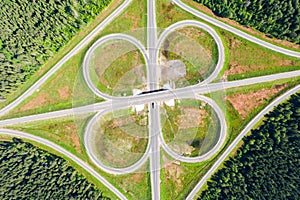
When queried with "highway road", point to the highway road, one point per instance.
{"points": [[151, 46], [42, 80], [249, 126], [235, 30], [125, 102], [154, 130], [97, 107], [115, 103], [73, 52], [153, 84], [66, 153]]}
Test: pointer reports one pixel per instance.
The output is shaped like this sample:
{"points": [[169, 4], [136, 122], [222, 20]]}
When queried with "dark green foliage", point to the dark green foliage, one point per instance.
{"points": [[31, 173], [32, 31], [277, 18], [267, 166]]}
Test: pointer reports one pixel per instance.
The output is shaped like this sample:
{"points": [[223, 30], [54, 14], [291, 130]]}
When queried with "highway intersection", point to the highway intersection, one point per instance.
{"points": [[151, 53]]}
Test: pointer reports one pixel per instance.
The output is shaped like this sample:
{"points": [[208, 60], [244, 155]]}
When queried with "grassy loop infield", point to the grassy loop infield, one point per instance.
{"points": [[119, 139], [196, 48], [190, 128], [116, 67]]}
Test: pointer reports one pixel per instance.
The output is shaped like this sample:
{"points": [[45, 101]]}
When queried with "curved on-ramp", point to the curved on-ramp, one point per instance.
{"points": [[213, 34], [75, 50], [66, 153], [111, 170], [249, 126], [117, 36], [235, 30], [216, 147]]}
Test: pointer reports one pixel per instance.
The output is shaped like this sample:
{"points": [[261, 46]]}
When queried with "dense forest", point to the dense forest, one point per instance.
{"points": [[276, 18], [31, 173], [32, 31], [267, 166]]}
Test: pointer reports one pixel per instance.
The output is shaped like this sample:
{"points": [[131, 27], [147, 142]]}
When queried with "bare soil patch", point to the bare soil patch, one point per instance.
{"points": [[235, 68], [64, 92], [173, 172], [73, 136], [137, 178], [192, 32], [245, 103], [192, 118], [37, 102], [244, 58]]}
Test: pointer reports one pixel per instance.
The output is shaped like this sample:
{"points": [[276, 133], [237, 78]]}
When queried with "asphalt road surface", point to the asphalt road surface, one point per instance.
{"points": [[124, 102], [249, 126], [115, 103], [66, 153], [153, 84], [73, 52], [234, 30]]}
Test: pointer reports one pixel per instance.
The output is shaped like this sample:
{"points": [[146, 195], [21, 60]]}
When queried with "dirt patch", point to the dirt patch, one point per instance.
{"points": [[235, 68], [57, 78], [192, 118], [245, 103], [236, 24], [104, 56], [173, 172], [64, 92], [121, 121], [232, 43], [191, 32], [37, 102], [137, 178], [168, 11], [244, 58], [134, 19], [73, 136]]}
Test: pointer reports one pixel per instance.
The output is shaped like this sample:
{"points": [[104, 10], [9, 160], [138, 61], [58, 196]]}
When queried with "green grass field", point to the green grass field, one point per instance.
{"points": [[178, 186], [246, 60], [68, 132], [249, 30], [62, 52], [196, 48], [119, 139], [263, 95], [69, 79], [117, 68], [243, 58], [189, 128], [179, 178]]}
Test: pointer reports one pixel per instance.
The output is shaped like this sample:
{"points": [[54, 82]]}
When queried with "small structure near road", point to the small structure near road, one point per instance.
{"points": [[173, 69], [137, 108]]}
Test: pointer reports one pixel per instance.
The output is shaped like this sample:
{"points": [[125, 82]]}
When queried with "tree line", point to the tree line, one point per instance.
{"points": [[32, 31], [28, 172], [267, 166], [276, 18]]}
